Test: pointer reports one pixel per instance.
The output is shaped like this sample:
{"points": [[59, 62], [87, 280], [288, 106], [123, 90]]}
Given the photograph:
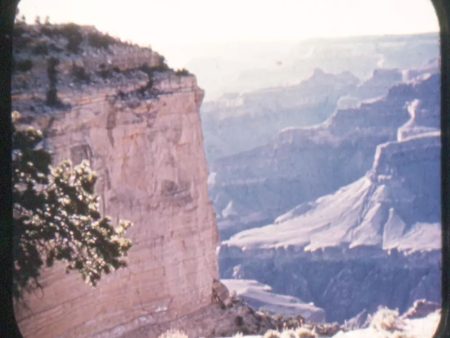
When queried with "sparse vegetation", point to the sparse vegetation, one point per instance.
{"points": [[79, 74], [98, 40], [150, 70], [56, 216], [52, 73], [71, 32], [74, 38], [182, 72], [23, 65]]}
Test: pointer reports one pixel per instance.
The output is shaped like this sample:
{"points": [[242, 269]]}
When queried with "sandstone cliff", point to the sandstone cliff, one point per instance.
{"points": [[138, 124]]}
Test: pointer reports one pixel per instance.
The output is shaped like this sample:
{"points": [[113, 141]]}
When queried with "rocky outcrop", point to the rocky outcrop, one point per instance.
{"points": [[261, 297], [373, 242], [252, 188], [138, 124], [227, 121]]}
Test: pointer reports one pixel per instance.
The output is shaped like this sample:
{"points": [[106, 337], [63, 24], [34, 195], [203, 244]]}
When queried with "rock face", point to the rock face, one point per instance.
{"points": [[252, 188], [141, 131], [373, 242], [227, 121], [261, 297]]}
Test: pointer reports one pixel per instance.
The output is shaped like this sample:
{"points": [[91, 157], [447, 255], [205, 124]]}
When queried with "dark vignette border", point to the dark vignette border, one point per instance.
{"points": [[8, 325], [442, 8]]}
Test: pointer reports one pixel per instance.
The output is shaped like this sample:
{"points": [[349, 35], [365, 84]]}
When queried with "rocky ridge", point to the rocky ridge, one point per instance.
{"points": [[375, 241], [300, 164], [269, 110]]}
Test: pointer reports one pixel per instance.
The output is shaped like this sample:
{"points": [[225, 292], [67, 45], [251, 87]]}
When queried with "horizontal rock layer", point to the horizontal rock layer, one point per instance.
{"points": [[148, 154]]}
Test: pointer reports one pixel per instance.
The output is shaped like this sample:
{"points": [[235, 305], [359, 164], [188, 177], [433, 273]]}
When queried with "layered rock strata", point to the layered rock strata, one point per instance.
{"points": [[139, 126], [252, 188]]}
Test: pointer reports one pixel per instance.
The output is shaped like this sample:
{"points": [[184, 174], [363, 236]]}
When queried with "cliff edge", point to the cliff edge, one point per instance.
{"points": [[137, 122]]}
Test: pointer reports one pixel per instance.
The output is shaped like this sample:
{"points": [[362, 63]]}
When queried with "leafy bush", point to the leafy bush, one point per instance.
{"points": [[56, 216]]}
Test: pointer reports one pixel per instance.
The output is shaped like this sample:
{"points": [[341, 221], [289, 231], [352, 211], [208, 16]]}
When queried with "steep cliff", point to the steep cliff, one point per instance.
{"points": [[138, 124]]}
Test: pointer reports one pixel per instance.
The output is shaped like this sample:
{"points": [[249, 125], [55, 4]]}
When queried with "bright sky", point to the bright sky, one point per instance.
{"points": [[168, 24]]}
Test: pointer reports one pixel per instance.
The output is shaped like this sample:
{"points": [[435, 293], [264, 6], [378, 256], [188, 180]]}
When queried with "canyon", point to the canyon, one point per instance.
{"points": [[327, 209], [353, 247], [302, 163]]}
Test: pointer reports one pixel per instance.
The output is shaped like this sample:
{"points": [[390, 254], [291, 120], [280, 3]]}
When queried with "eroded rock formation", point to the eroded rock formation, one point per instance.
{"points": [[138, 124]]}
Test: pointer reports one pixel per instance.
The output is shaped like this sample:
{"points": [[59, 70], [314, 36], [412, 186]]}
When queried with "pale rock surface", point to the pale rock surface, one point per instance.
{"points": [[261, 297], [303, 163], [353, 249], [148, 153]]}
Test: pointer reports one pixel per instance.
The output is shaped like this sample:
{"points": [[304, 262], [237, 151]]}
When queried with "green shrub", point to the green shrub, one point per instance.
{"points": [[57, 215], [98, 40]]}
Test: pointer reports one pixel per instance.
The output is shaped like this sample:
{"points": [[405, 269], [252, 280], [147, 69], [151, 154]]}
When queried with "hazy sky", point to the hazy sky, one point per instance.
{"points": [[167, 25]]}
